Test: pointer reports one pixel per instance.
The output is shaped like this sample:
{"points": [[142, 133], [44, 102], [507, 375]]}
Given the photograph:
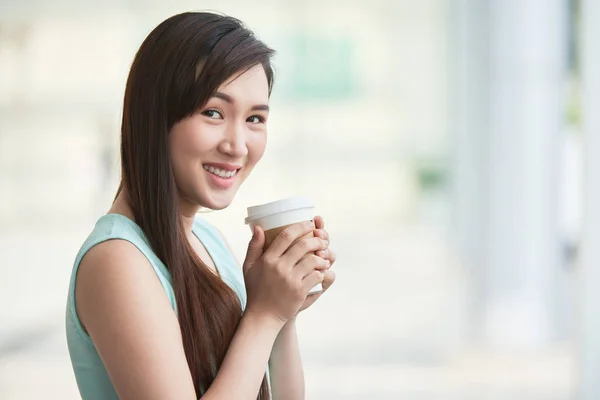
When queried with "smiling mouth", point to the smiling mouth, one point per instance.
{"points": [[221, 173]]}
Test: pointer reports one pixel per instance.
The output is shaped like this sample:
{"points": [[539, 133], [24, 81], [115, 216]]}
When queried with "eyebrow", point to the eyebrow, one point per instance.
{"points": [[227, 98]]}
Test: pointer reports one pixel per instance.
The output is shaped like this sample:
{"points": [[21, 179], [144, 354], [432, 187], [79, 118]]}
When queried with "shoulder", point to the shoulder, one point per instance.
{"points": [[110, 257], [112, 274], [109, 253], [128, 316]]}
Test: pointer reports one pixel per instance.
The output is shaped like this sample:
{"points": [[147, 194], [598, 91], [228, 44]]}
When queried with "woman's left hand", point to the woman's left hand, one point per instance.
{"points": [[328, 254]]}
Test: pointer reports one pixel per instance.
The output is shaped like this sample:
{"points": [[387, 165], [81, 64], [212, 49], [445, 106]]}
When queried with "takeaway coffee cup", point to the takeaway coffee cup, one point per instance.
{"points": [[276, 216]]}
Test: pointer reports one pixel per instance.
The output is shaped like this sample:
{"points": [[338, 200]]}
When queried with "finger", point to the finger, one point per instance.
{"points": [[322, 233], [319, 222], [301, 248], [328, 279], [324, 253], [312, 280], [327, 254], [288, 236], [255, 247], [331, 256], [310, 263]]}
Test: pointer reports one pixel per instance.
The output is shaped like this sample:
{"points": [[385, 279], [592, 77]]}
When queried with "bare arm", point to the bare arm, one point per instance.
{"points": [[287, 375], [246, 360], [286, 372], [128, 316]]}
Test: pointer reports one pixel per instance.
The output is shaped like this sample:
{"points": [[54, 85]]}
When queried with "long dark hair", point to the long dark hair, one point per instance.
{"points": [[177, 69]]}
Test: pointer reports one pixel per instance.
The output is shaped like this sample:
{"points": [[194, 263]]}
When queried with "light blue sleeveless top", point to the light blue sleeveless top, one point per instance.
{"points": [[92, 378]]}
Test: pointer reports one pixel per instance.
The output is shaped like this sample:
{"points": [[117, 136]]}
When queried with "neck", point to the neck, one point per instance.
{"points": [[122, 205]]}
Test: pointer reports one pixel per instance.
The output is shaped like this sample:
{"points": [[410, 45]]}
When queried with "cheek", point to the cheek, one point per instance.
{"points": [[185, 146], [192, 141], [256, 147], [194, 137], [179, 169]]}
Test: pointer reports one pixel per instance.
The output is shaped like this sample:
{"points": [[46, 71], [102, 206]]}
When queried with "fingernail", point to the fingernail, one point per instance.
{"points": [[328, 263]]}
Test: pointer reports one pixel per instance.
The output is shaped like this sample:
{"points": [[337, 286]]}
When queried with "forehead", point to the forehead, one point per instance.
{"points": [[251, 85]]}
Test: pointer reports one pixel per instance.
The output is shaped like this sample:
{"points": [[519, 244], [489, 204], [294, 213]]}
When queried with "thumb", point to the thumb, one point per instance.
{"points": [[255, 247]]}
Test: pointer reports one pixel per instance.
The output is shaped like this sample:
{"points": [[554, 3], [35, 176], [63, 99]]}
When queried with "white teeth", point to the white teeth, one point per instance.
{"points": [[220, 172]]}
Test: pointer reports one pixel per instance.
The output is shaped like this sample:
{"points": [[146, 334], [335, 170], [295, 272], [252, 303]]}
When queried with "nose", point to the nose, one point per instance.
{"points": [[234, 141]]}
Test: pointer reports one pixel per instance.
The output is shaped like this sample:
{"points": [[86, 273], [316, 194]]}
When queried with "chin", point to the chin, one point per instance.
{"points": [[217, 207], [216, 201]]}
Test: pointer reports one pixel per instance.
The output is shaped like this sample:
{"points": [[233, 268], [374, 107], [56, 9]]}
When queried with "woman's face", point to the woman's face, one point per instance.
{"points": [[214, 150]]}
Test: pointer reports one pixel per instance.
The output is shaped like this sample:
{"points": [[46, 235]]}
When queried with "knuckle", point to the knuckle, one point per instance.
{"points": [[279, 265], [269, 260], [286, 234], [303, 243]]}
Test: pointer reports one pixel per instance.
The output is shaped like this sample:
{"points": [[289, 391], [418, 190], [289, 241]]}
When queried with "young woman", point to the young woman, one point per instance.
{"points": [[158, 308]]}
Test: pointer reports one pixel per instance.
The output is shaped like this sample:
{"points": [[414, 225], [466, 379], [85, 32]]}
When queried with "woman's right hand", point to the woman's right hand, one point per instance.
{"points": [[279, 278]]}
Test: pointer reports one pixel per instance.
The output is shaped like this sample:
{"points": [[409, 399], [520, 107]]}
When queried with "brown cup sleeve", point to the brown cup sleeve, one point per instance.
{"points": [[271, 234]]}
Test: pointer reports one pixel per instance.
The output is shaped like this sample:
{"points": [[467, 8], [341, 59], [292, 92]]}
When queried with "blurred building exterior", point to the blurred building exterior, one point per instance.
{"points": [[441, 140]]}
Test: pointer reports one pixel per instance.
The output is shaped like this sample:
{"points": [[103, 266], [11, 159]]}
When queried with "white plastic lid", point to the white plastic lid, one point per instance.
{"points": [[277, 207]]}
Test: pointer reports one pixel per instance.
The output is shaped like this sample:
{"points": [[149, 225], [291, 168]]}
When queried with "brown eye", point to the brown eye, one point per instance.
{"points": [[256, 119], [212, 114]]}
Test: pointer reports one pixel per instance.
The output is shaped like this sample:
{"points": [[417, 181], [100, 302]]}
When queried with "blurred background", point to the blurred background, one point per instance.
{"points": [[450, 145]]}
